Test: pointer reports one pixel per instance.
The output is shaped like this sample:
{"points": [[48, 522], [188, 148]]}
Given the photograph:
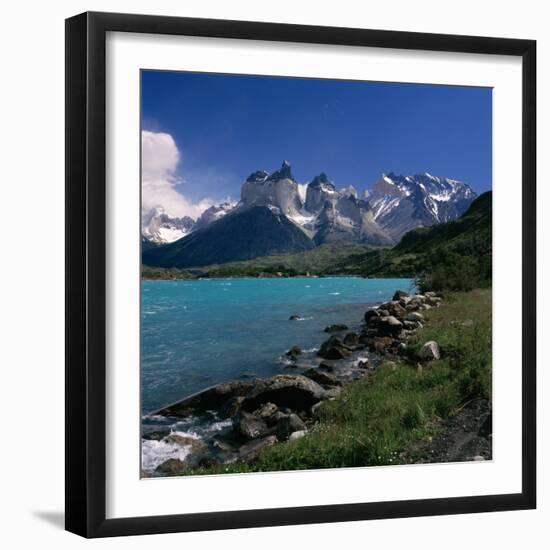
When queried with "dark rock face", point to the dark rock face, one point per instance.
{"points": [[292, 391], [258, 176], [284, 172]]}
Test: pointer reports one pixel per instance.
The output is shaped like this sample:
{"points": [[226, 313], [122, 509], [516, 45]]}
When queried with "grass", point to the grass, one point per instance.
{"points": [[375, 419]]}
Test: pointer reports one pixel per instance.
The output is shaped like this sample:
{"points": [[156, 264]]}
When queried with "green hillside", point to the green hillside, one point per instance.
{"points": [[455, 255]]}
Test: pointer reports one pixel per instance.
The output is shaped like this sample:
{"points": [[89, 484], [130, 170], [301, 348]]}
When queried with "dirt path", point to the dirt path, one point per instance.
{"points": [[465, 436]]}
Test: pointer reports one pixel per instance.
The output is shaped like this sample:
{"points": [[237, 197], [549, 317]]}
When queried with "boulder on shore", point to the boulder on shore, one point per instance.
{"points": [[351, 339], [371, 314], [293, 352], [333, 348], [295, 392], [430, 351], [213, 398], [288, 425], [323, 378], [399, 294], [249, 425], [389, 326]]}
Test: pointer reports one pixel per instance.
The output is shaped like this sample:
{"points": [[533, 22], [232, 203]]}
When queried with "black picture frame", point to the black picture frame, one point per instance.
{"points": [[86, 284]]}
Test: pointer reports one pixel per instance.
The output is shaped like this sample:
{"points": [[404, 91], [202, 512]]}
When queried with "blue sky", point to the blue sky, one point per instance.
{"points": [[225, 127]]}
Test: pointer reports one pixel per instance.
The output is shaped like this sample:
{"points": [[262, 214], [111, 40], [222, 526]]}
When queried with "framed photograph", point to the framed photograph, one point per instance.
{"points": [[300, 274]]}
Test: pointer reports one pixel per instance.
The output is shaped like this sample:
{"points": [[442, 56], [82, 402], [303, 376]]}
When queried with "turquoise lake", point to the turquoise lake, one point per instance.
{"points": [[202, 332]]}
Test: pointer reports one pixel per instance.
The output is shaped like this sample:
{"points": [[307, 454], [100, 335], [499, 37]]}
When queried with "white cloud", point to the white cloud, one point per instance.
{"points": [[159, 159]]}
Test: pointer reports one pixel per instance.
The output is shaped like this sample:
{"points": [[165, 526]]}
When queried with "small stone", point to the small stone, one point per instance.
{"points": [[293, 352]]}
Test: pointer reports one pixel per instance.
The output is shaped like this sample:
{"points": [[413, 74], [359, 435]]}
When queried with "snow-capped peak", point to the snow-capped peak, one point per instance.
{"points": [[159, 227]]}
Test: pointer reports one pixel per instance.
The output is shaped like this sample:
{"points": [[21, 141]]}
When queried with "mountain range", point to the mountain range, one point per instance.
{"points": [[278, 215]]}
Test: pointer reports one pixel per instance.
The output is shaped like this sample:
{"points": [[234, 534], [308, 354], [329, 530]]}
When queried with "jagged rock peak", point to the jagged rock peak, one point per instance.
{"points": [[320, 180], [284, 172], [349, 191], [258, 176]]}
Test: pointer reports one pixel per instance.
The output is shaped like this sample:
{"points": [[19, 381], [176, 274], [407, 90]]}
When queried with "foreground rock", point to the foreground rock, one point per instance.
{"points": [[294, 392], [294, 352], [430, 351], [213, 398]]}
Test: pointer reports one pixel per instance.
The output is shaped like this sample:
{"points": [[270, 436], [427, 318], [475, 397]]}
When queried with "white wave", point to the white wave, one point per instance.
{"points": [[220, 425], [334, 293], [154, 453]]}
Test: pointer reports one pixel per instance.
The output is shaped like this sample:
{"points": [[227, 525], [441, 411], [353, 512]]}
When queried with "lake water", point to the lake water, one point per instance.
{"points": [[198, 333]]}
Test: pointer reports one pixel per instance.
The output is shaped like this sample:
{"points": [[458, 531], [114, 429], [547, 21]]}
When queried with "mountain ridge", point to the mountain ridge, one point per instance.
{"points": [[324, 214]]}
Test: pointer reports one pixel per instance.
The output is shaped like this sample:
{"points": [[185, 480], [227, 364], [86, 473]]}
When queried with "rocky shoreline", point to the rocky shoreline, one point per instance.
{"points": [[259, 413]]}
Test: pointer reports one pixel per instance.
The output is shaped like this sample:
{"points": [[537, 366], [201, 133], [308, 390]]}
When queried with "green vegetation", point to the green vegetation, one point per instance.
{"points": [[374, 420], [318, 261], [450, 256]]}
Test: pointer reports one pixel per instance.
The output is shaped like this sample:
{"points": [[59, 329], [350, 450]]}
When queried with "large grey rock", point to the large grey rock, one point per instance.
{"points": [[295, 392], [288, 425], [371, 314], [430, 351], [399, 294], [293, 352], [389, 325], [414, 316], [250, 426], [333, 348], [213, 398], [322, 377]]}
